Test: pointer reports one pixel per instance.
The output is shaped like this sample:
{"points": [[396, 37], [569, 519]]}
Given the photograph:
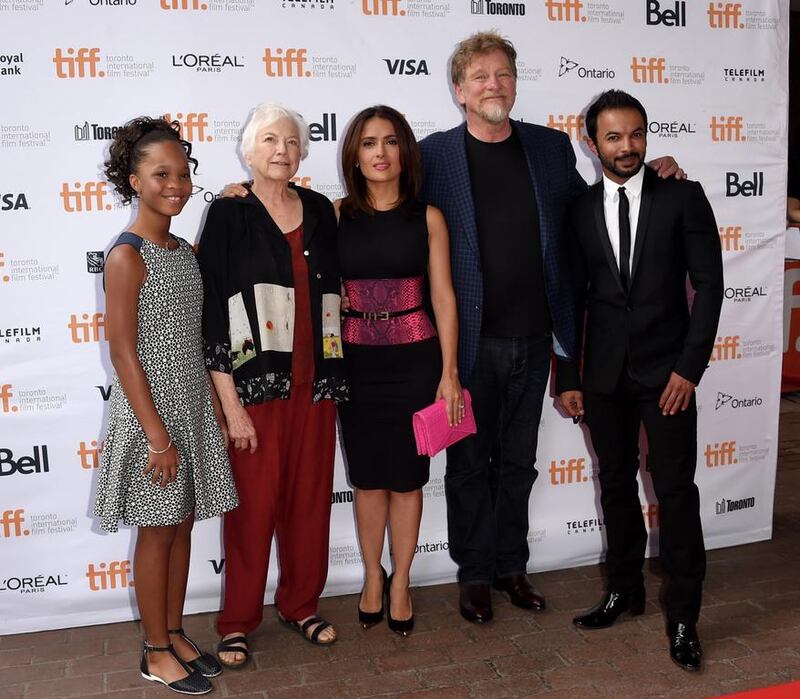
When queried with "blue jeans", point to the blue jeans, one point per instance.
{"points": [[490, 474]]}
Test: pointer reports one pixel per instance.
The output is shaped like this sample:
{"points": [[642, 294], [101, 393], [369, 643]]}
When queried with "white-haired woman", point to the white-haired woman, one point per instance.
{"points": [[273, 347]]}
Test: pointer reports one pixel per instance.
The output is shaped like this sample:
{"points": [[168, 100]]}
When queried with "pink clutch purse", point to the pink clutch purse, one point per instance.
{"points": [[432, 432]]}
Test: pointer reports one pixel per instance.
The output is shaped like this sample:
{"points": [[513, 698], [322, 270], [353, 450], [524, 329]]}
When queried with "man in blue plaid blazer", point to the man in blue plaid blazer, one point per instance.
{"points": [[503, 187]]}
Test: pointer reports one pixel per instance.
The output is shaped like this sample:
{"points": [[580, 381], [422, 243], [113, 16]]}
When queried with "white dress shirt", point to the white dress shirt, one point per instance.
{"points": [[633, 190]]}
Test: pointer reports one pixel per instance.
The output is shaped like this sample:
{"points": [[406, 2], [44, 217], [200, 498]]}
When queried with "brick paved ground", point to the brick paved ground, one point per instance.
{"points": [[750, 627]]}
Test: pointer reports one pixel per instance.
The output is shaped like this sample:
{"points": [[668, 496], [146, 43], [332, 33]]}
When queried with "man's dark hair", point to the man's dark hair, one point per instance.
{"points": [[611, 99]]}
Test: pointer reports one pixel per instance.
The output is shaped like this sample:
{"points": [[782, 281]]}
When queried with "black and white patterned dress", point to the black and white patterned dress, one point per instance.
{"points": [[170, 350]]}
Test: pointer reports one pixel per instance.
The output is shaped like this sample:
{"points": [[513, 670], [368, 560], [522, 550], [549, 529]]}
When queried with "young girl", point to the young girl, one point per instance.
{"points": [[164, 461]]}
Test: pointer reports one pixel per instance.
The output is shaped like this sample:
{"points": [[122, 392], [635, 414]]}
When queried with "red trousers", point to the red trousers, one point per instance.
{"points": [[284, 489]]}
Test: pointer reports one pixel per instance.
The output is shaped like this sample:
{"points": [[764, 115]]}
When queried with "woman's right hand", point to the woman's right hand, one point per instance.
{"points": [[241, 432], [163, 467], [234, 189]]}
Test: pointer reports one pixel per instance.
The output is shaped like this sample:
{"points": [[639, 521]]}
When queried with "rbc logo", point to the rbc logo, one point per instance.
{"points": [[674, 17], [12, 202], [25, 465]]}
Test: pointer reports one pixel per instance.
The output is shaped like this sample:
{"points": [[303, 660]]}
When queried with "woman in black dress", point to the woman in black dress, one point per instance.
{"points": [[395, 262]]}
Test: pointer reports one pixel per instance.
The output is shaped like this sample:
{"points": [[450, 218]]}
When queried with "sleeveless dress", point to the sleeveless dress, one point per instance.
{"points": [[170, 349], [392, 355]]}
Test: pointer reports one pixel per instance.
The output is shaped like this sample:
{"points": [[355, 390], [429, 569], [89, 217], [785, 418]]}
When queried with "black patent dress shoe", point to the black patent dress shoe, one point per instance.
{"points": [[475, 601], [369, 619], [684, 646], [520, 591], [610, 608]]}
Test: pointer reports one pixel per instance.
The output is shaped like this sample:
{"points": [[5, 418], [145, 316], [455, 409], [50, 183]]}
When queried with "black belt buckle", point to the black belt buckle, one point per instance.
{"points": [[376, 315]]}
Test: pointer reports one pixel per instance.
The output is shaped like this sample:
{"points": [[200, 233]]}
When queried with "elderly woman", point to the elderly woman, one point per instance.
{"points": [[273, 347]]}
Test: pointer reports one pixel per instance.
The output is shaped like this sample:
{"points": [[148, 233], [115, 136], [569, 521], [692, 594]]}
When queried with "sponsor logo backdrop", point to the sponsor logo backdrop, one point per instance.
{"points": [[713, 78]]}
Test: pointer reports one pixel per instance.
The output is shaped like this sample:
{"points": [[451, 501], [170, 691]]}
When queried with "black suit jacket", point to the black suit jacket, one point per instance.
{"points": [[650, 325]]}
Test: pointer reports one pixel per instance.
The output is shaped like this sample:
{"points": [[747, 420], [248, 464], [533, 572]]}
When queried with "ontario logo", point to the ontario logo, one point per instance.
{"points": [[726, 400], [569, 67]]}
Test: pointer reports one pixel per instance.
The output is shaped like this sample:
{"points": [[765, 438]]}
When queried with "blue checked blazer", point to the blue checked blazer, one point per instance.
{"points": [[446, 185]]}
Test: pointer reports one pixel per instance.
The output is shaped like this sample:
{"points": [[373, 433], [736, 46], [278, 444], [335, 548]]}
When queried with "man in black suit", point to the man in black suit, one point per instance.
{"points": [[635, 238]]}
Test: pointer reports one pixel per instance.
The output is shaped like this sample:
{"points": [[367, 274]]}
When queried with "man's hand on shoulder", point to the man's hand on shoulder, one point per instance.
{"points": [[666, 167], [677, 395]]}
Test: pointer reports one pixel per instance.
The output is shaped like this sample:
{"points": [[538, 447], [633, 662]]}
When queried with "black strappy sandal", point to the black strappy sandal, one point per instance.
{"points": [[193, 683], [306, 625], [227, 646], [206, 664]]}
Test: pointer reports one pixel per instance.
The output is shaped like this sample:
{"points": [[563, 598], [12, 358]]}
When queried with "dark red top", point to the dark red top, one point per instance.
{"points": [[303, 344]]}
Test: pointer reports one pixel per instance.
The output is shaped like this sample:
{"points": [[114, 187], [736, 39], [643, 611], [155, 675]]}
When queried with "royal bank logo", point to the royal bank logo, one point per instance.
{"points": [[207, 62], [492, 7], [95, 259], [94, 132], [569, 67], [726, 400], [11, 64]]}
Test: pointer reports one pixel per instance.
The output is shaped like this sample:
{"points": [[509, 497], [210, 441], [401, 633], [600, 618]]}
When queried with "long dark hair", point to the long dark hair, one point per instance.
{"points": [[357, 199]]}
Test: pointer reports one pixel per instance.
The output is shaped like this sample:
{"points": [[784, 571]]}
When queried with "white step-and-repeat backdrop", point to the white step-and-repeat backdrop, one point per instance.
{"points": [[712, 75]]}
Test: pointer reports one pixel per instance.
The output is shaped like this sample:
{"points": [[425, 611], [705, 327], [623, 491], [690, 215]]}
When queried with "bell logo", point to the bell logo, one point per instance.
{"points": [[721, 454], [87, 196], [571, 124], [5, 399], [89, 456], [730, 238], [24, 465], [727, 128], [565, 11], [725, 348], [649, 70], [675, 17], [745, 188], [382, 7], [184, 5], [289, 63], [568, 471], [651, 515], [111, 576], [82, 63], [193, 125], [11, 524], [725, 15], [86, 329]]}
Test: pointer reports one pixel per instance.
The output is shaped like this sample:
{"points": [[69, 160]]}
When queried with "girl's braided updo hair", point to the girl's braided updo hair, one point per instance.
{"points": [[129, 147]]}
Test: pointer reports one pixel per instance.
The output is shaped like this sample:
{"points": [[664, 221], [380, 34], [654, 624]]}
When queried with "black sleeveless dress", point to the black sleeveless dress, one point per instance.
{"points": [[391, 350]]}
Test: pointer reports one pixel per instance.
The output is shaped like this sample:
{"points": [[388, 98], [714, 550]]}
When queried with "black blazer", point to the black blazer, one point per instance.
{"points": [[651, 325]]}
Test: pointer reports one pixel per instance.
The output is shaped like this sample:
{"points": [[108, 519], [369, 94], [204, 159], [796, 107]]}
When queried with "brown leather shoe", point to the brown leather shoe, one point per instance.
{"points": [[520, 591], [475, 601]]}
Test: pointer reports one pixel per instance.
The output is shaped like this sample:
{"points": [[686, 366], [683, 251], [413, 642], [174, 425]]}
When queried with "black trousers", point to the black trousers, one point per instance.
{"points": [[614, 421], [490, 474]]}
